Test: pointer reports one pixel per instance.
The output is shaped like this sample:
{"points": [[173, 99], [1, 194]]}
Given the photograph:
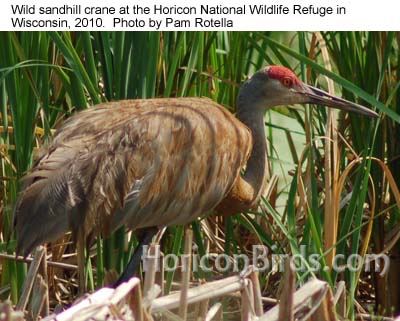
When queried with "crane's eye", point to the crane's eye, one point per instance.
{"points": [[287, 82]]}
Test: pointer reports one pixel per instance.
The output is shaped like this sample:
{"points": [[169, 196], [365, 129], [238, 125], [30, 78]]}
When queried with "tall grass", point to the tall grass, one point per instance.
{"points": [[45, 77]]}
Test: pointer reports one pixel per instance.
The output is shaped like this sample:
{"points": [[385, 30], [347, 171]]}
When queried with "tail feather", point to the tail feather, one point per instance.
{"points": [[44, 205]]}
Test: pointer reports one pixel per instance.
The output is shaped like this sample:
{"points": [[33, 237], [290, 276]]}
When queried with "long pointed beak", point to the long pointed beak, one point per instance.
{"points": [[320, 97]]}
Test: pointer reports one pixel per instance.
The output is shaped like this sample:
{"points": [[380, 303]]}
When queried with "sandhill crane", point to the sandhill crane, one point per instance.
{"points": [[156, 162]]}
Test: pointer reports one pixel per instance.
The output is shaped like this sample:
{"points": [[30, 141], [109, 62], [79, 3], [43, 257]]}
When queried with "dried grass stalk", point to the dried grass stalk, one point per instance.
{"points": [[99, 304], [136, 303], [286, 312], [215, 313], [45, 279], [302, 298], [59, 265], [38, 301], [151, 268], [340, 299], [258, 306], [247, 301], [203, 307], [30, 278], [186, 275], [202, 292]]}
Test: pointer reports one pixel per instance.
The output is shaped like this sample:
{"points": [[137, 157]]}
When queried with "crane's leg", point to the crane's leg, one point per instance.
{"points": [[133, 265]]}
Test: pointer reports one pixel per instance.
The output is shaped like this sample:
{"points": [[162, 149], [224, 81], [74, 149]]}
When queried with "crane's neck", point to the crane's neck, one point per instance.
{"points": [[248, 188], [255, 174]]}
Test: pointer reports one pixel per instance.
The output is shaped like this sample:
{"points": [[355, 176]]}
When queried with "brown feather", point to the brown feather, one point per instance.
{"points": [[143, 163]]}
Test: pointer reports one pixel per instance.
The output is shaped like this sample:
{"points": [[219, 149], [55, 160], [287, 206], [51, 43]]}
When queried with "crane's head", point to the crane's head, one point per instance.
{"points": [[277, 85]]}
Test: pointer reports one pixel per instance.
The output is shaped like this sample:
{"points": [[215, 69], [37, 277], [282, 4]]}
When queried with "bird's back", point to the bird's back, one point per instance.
{"points": [[143, 163]]}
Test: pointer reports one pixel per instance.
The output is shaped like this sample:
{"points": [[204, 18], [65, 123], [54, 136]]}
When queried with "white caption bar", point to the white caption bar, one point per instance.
{"points": [[199, 15]]}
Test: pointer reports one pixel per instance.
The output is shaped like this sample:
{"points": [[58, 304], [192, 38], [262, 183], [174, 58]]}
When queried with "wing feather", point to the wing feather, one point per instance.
{"points": [[142, 163]]}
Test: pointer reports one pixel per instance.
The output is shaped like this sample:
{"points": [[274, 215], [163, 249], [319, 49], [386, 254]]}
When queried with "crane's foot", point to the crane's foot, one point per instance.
{"points": [[132, 268]]}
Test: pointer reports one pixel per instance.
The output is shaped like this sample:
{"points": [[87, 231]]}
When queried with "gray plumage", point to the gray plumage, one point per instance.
{"points": [[156, 162]]}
